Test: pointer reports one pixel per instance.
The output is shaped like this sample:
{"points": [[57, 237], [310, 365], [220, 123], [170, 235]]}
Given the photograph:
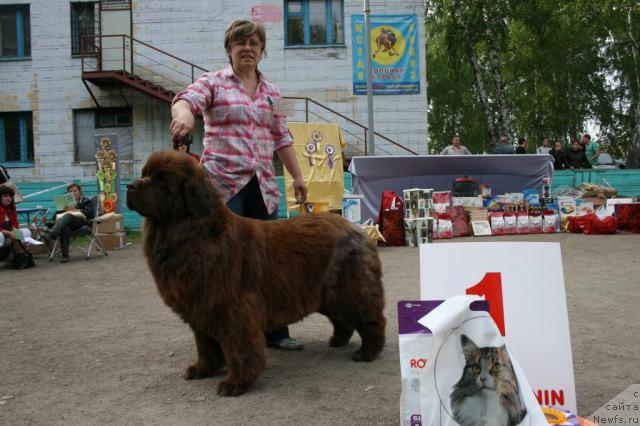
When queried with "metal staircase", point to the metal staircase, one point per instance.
{"points": [[122, 61]]}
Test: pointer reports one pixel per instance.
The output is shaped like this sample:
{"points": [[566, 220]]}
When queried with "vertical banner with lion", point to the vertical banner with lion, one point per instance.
{"points": [[395, 63], [108, 173]]}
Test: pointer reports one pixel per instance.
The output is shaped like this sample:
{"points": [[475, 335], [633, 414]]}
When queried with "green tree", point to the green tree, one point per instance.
{"points": [[535, 69]]}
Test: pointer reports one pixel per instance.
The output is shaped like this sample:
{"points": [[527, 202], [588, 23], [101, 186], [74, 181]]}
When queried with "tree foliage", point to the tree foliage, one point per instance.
{"points": [[549, 69]]}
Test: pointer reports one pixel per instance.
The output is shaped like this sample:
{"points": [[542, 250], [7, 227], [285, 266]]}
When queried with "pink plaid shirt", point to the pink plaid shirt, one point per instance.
{"points": [[240, 133]]}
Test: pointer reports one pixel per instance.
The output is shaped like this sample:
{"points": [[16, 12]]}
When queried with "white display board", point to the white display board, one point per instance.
{"points": [[524, 285]]}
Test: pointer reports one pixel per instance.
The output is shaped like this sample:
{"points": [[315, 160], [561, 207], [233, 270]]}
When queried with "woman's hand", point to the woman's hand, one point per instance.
{"points": [[182, 120], [7, 233], [300, 190], [288, 157]]}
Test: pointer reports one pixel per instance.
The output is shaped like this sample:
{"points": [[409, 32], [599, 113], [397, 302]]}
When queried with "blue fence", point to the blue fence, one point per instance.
{"points": [[42, 195], [627, 182]]}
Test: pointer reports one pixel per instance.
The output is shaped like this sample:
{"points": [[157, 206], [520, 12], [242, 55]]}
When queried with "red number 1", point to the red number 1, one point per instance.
{"points": [[490, 286]]}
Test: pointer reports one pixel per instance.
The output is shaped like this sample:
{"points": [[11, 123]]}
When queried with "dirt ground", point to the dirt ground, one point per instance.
{"points": [[91, 342]]}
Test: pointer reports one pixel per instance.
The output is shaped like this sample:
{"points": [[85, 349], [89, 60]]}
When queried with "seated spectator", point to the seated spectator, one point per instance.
{"points": [[185, 146], [575, 158], [558, 155], [455, 148], [544, 148], [70, 219], [5, 181], [522, 146], [504, 147], [8, 220]]}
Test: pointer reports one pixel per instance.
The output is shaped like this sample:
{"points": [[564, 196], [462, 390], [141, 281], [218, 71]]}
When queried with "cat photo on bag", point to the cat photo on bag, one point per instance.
{"points": [[488, 391], [456, 369]]}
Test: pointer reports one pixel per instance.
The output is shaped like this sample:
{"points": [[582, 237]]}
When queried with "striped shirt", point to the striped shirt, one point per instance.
{"points": [[240, 133]]}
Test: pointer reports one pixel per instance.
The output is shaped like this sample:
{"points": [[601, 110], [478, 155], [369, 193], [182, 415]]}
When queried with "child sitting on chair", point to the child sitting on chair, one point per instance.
{"points": [[71, 219]]}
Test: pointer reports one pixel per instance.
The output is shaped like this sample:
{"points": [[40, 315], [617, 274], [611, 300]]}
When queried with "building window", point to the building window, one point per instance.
{"points": [[87, 123], [314, 23], [16, 137], [83, 23], [15, 32], [113, 117]]}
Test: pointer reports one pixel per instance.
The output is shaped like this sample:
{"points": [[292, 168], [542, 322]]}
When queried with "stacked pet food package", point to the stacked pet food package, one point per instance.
{"points": [[521, 213], [466, 205], [418, 219], [110, 231], [442, 215], [470, 208]]}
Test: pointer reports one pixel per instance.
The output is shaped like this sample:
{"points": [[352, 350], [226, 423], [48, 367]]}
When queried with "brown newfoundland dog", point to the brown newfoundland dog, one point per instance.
{"points": [[231, 278]]}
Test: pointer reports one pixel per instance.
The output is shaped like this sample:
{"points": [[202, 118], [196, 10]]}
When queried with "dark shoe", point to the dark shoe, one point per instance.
{"points": [[64, 259], [287, 344]]}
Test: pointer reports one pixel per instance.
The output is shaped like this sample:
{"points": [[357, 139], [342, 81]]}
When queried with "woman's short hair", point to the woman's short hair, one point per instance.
{"points": [[6, 189], [241, 29], [74, 185]]}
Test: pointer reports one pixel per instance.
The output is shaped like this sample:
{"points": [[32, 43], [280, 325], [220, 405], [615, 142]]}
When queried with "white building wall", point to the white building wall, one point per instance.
{"points": [[49, 84]]}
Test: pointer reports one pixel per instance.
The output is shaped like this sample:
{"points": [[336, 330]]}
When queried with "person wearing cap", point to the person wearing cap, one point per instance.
{"points": [[455, 148]]}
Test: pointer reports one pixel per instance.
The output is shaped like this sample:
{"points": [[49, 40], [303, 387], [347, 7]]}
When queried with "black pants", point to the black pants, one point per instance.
{"points": [[249, 203], [62, 229]]}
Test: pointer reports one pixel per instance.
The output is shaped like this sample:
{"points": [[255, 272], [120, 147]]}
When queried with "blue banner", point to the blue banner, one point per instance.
{"points": [[395, 64]]}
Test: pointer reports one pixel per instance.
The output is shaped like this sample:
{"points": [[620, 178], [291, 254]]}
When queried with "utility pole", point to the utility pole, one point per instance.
{"points": [[367, 50]]}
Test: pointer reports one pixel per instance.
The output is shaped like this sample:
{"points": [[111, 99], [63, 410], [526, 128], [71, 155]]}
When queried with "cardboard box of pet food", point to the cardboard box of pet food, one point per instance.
{"points": [[110, 223], [37, 249], [113, 241]]}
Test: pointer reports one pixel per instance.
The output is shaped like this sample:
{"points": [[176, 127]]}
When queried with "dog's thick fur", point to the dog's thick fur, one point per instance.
{"points": [[231, 278]]}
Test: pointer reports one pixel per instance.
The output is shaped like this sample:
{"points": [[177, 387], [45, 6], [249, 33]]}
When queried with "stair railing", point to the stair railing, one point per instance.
{"points": [[105, 50], [363, 128], [130, 60]]}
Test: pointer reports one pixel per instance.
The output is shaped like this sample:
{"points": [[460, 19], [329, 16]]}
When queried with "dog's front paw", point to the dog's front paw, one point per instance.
{"points": [[361, 355], [195, 372], [229, 389]]}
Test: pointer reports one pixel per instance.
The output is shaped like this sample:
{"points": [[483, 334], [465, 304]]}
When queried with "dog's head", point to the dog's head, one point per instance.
{"points": [[172, 186]]}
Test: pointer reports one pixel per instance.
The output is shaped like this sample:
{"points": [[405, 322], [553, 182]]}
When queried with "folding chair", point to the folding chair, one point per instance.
{"points": [[86, 234]]}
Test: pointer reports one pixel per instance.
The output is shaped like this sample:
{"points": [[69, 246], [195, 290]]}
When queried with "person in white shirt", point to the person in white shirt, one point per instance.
{"points": [[545, 148], [455, 148]]}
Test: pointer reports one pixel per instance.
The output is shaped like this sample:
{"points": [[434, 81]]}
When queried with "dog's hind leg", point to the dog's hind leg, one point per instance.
{"points": [[341, 333], [245, 357], [365, 277], [372, 335], [210, 358]]}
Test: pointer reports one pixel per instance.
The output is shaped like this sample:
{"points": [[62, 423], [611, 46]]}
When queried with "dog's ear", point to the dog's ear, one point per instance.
{"points": [[196, 198]]}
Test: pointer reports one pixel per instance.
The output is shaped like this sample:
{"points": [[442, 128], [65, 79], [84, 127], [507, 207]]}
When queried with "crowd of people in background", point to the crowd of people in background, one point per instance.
{"points": [[579, 155]]}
